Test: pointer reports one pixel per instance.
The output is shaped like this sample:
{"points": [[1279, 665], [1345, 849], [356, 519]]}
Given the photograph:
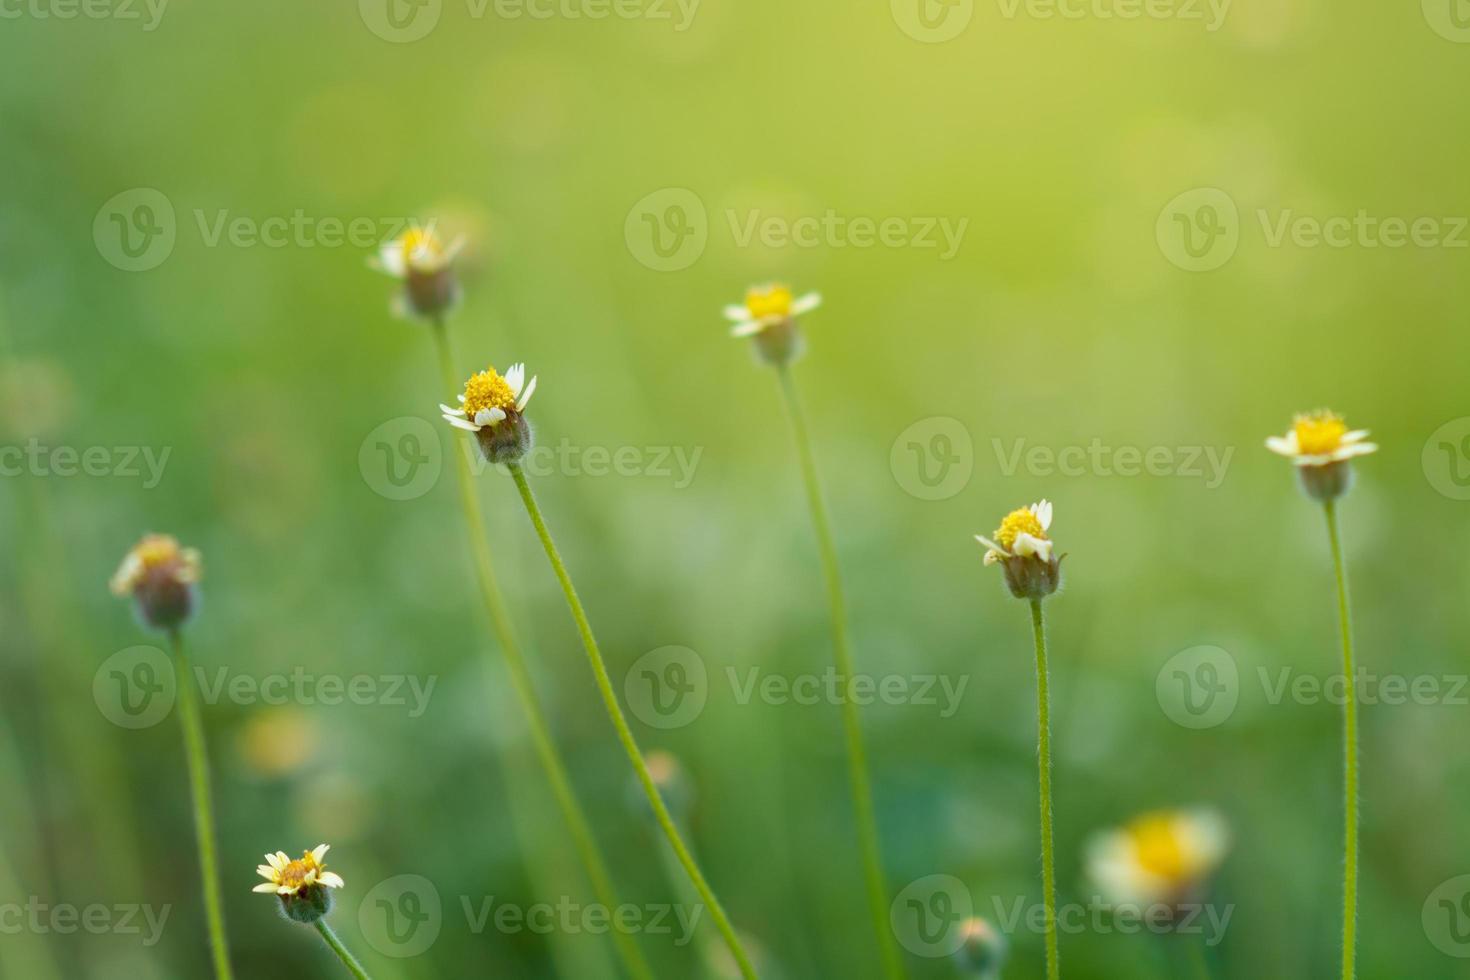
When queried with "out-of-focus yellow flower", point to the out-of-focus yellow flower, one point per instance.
{"points": [[1166, 856], [767, 306], [1320, 438], [160, 576]]}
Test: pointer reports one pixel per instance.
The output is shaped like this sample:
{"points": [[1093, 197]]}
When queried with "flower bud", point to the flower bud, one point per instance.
{"points": [[507, 441], [161, 577], [1029, 577], [768, 316], [982, 951], [1327, 482], [425, 266]]}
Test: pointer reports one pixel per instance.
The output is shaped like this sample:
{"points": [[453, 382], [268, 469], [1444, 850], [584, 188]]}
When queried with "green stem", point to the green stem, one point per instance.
{"points": [[625, 734], [343, 953], [857, 763], [198, 758], [520, 676], [1350, 755], [1043, 749]]}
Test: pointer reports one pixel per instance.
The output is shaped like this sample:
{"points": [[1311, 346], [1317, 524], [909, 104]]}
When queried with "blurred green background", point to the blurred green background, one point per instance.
{"points": [[1066, 315]]}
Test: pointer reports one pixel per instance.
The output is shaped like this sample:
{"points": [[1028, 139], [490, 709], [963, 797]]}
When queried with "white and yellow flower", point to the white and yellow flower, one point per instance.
{"points": [[156, 556], [768, 306], [1165, 856], [418, 251], [490, 398], [1022, 533], [288, 878], [1321, 438]]}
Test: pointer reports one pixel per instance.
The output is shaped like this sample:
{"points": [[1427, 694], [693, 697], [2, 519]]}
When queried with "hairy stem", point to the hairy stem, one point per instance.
{"points": [[343, 953], [1350, 755], [1043, 754]]}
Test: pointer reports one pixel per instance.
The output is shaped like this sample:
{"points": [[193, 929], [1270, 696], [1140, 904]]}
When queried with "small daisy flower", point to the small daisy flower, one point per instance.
{"points": [[1164, 857], [1321, 445], [769, 316], [300, 884], [493, 408], [425, 266], [1027, 554], [160, 576]]}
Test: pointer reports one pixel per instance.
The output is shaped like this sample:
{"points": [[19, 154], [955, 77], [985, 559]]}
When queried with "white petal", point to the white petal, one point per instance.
{"points": [[266, 889], [331, 879], [516, 378], [1357, 435], [1283, 445], [390, 259], [806, 304], [1026, 544], [451, 411], [288, 890], [320, 851], [525, 398], [489, 416], [748, 328], [461, 424], [996, 552], [736, 312], [277, 860], [1042, 510], [265, 871], [461, 398]]}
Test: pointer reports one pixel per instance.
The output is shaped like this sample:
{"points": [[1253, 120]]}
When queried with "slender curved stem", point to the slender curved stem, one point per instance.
{"points": [[1043, 752], [1350, 755], [520, 676], [857, 763], [198, 758], [625, 734], [343, 953]]}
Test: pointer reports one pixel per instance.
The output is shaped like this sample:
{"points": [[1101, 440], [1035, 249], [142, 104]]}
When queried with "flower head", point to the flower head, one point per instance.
{"points": [[301, 884], [425, 265], [493, 408], [1166, 856], [160, 576], [769, 315], [1021, 546], [1321, 444], [982, 949]]}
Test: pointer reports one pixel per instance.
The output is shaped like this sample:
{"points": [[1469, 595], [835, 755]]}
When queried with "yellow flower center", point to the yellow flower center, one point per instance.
{"points": [[764, 301], [1018, 522], [1158, 847], [294, 874], [488, 390], [156, 550], [1319, 433], [421, 239]]}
